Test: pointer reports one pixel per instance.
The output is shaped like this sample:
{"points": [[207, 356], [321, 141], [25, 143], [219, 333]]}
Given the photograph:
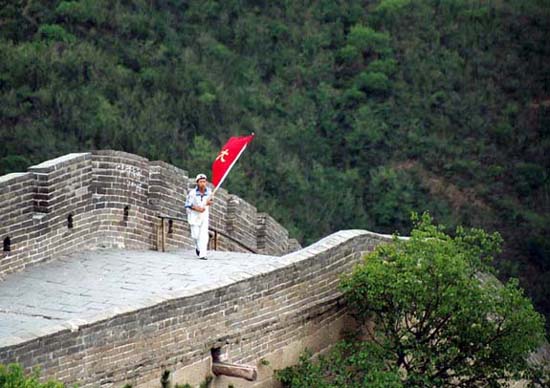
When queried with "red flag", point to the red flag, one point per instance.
{"points": [[227, 157]]}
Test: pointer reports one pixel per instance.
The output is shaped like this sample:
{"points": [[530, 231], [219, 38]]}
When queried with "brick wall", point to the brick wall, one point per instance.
{"points": [[113, 199], [46, 211], [272, 237], [16, 197], [121, 181], [250, 318], [241, 221]]}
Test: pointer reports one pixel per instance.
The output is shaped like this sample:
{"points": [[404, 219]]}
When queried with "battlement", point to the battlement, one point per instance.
{"points": [[153, 317], [98, 199]]}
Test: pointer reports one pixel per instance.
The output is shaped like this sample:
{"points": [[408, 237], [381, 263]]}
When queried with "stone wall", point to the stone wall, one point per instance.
{"points": [[271, 238], [272, 314], [113, 199]]}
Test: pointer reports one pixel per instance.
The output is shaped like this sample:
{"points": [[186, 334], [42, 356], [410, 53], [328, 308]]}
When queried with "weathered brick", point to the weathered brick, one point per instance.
{"points": [[95, 188]]}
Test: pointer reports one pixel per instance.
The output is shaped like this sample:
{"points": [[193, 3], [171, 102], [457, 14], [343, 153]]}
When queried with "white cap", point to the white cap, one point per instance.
{"points": [[200, 176]]}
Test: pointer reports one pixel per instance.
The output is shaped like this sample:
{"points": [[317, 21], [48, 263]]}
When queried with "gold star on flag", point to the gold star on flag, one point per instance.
{"points": [[222, 155]]}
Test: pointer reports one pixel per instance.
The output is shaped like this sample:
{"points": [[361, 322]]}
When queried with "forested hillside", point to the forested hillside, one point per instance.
{"points": [[364, 110]]}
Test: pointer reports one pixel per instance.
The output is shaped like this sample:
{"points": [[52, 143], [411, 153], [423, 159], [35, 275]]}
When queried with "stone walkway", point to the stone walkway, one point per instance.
{"points": [[93, 285]]}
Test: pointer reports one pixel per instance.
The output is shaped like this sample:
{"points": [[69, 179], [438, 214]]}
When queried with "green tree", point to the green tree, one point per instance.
{"points": [[349, 364], [202, 153], [13, 376], [439, 314], [432, 315], [456, 88]]}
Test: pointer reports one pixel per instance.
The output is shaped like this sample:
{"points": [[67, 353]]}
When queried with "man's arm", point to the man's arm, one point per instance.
{"points": [[189, 200], [189, 203], [196, 208]]}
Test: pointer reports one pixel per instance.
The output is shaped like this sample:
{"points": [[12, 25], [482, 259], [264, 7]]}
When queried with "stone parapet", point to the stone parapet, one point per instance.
{"points": [[113, 199], [273, 311], [271, 236]]}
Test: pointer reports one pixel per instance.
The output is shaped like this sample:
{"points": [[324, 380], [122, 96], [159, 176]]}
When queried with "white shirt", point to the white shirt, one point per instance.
{"points": [[196, 198]]}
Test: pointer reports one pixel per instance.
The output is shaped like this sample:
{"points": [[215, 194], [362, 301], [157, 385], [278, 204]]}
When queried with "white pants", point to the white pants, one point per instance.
{"points": [[199, 234]]}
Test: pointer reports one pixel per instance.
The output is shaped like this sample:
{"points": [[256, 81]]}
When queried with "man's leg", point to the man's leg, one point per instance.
{"points": [[203, 240], [195, 235]]}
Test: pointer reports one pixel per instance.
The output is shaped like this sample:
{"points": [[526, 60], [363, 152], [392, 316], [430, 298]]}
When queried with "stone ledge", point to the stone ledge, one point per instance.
{"points": [[14, 177], [261, 269], [62, 161], [103, 180], [253, 304], [120, 154]]}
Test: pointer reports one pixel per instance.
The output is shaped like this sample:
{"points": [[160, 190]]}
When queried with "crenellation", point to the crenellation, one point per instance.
{"points": [[95, 188]]}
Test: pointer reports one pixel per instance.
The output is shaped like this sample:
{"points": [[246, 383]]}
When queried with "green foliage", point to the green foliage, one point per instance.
{"points": [[372, 81], [206, 383], [395, 194], [202, 154], [392, 6], [13, 376], [384, 66], [352, 364], [14, 163], [349, 54], [55, 32], [431, 315], [438, 315], [366, 39], [83, 11], [341, 95]]}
